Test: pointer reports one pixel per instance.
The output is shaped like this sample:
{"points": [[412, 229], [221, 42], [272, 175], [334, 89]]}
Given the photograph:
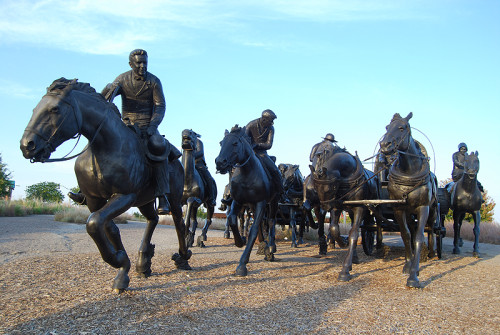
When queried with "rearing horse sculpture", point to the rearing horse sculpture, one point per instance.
{"points": [[112, 172], [195, 193], [250, 185], [410, 179]]}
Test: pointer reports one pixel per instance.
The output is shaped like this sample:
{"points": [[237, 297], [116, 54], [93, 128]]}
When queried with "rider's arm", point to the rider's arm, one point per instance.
{"points": [[159, 104]]}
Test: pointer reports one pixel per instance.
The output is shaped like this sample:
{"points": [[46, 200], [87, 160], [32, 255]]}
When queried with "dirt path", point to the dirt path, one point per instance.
{"points": [[52, 280]]}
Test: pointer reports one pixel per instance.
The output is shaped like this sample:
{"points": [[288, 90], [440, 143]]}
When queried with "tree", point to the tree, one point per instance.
{"points": [[487, 208], [45, 191], [5, 183]]}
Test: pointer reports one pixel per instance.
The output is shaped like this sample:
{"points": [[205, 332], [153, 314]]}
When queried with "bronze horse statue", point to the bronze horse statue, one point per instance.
{"points": [[244, 216], [195, 192], [290, 207], [465, 197], [338, 177], [410, 179], [112, 171], [250, 185]]}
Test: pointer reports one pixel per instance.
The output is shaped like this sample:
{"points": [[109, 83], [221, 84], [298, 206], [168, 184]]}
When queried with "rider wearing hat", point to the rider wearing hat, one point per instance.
{"points": [[261, 132], [328, 144]]}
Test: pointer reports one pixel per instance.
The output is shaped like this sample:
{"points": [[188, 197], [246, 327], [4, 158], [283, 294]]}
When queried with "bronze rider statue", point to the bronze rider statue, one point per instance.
{"points": [[458, 164], [201, 167], [261, 132], [143, 109]]}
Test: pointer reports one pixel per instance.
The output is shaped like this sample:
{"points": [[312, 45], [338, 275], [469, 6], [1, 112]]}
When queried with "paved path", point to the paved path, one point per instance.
{"points": [[40, 235]]}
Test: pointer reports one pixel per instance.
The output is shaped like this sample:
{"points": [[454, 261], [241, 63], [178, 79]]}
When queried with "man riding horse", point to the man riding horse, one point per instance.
{"points": [[143, 109], [261, 132], [201, 167], [458, 164]]}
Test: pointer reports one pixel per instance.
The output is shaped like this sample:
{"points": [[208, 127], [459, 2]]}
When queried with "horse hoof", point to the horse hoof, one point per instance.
{"points": [[269, 255], [145, 274], [456, 251], [412, 283], [118, 291], [355, 260], [294, 245], [460, 242], [204, 237], [227, 236], [180, 262], [121, 282], [199, 242], [344, 276], [241, 271], [476, 254]]}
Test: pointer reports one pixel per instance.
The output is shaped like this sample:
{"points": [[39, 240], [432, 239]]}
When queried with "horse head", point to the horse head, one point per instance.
{"points": [[326, 183], [189, 138], [471, 164], [235, 150], [290, 176], [55, 119], [397, 136]]}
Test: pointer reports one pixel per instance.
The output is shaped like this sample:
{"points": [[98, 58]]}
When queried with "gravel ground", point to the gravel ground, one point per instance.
{"points": [[53, 281]]}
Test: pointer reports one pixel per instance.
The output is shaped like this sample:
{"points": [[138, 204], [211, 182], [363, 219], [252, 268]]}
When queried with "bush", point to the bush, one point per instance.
{"points": [[45, 191], [27, 207]]}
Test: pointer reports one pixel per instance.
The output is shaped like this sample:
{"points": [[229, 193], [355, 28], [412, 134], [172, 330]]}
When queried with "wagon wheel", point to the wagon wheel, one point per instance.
{"points": [[367, 240]]}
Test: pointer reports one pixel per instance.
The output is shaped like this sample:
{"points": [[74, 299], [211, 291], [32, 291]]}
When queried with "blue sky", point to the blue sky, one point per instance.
{"points": [[343, 67]]}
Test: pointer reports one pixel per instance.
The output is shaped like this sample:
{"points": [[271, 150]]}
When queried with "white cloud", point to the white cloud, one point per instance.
{"points": [[117, 26]]}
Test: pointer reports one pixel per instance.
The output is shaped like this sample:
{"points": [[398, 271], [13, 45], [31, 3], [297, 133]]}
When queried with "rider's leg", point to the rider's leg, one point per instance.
{"points": [[160, 173], [79, 197]]}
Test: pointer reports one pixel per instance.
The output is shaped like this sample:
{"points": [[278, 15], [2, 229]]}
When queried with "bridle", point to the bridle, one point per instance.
{"points": [[237, 165], [78, 134]]}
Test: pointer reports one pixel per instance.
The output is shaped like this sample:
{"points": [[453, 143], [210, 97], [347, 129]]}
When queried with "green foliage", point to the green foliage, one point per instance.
{"points": [[27, 207], [45, 191], [487, 208], [4, 179]]}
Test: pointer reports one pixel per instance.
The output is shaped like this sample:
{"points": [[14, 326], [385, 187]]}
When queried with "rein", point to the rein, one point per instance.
{"points": [[78, 136]]}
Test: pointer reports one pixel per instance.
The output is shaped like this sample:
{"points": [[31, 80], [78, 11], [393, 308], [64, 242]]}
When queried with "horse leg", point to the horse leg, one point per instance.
{"points": [[457, 224], [232, 219], [344, 275], [147, 249], [302, 229], [241, 270], [181, 258], [322, 243], [423, 215], [99, 225], [335, 229], [293, 227], [208, 222], [477, 219], [400, 218]]}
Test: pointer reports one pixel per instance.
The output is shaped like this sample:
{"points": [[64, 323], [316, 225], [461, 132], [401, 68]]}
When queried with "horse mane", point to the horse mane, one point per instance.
{"points": [[237, 130], [62, 85]]}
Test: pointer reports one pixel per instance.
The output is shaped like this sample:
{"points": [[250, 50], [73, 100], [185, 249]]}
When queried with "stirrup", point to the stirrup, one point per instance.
{"points": [[163, 206]]}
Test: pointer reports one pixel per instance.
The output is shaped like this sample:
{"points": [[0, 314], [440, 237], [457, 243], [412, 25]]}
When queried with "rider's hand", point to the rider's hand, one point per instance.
{"points": [[151, 130]]}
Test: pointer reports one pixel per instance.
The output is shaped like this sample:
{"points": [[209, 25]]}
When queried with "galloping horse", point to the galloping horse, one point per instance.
{"points": [[250, 185], [112, 172], [195, 193], [337, 177], [466, 198], [291, 208], [410, 179]]}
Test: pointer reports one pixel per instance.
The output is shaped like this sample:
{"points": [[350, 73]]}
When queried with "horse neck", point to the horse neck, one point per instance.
{"points": [[410, 160], [188, 164], [469, 184], [94, 115]]}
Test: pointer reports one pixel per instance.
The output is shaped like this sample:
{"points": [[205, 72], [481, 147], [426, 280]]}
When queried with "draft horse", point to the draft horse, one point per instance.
{"points": [[195, 193], [249, 185], [112, 172], [339, 177], [410, 179]]}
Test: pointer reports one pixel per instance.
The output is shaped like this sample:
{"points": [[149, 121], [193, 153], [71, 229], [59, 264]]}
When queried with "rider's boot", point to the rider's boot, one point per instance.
{"points": [[79, 198], [163, 205]]}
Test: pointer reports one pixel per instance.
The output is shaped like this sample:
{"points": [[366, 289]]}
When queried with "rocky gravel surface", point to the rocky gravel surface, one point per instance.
{"points": [[53, 281]]}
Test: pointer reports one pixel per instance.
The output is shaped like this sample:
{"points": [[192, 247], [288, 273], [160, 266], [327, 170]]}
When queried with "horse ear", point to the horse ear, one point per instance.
{"points": [[477, 153], [226, 132], [409, 116]]}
